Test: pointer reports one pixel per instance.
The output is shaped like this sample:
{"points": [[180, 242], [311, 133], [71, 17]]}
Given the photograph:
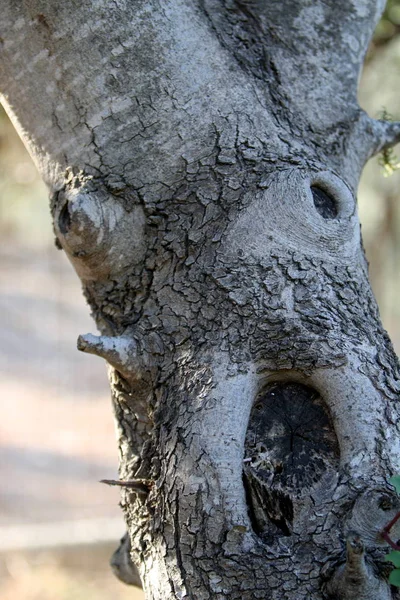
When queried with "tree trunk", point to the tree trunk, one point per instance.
{"points": [[203, 158]]}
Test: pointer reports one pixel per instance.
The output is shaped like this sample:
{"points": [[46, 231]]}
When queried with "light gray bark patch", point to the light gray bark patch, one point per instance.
{"points": [[101, 232], [262, 36]]}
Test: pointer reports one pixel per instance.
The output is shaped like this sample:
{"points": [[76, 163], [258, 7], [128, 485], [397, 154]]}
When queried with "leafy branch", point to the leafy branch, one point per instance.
{"points": [[388, 159]]}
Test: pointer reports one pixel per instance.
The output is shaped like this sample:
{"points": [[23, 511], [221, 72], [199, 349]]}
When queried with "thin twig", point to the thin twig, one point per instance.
{"points": [[385, 533], [136, 485]]}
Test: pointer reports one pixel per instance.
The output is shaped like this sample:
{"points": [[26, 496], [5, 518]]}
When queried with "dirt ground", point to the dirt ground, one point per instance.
{"points": [[78, 574]]}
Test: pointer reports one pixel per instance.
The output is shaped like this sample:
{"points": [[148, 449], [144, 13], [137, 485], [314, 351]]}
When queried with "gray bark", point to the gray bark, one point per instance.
{"points": [[203, 158]]}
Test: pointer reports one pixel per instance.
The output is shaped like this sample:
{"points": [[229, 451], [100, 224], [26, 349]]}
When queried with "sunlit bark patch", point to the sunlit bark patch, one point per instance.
{"points": [[290, 445]]}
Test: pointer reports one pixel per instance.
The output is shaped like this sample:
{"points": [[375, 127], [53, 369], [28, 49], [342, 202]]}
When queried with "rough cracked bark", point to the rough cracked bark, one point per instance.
{"points": [[202, 158]]}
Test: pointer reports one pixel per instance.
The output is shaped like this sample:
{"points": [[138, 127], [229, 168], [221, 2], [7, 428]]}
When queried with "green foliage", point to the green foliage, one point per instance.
{"points": [[394, 557], [395, 482], [389, 162], [388, 159], [394, 577]]}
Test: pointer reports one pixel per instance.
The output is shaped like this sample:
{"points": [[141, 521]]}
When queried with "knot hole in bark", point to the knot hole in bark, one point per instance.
{"points": [[325, 204], [290, 445], [64, 219]]}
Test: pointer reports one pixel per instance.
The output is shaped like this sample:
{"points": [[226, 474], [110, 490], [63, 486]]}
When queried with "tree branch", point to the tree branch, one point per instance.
{"points": [[385, 134], [119, 352]]}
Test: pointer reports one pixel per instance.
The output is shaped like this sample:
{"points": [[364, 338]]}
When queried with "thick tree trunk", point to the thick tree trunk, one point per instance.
{"points": [[203, 157]]}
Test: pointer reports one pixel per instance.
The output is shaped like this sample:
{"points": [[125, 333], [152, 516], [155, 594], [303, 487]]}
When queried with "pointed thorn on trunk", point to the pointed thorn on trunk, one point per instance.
{"points": [[140, 486]]}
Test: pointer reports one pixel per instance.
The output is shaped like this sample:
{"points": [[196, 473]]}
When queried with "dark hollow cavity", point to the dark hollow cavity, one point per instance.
{"points": [[324, 203], [64, 219], [290, 445]]}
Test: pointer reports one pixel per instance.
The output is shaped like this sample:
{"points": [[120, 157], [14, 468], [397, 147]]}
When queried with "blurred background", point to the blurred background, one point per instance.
{"points": [[58, 525]]}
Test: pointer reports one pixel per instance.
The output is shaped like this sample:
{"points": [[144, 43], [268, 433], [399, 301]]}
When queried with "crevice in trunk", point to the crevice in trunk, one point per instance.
{"points": [[64, 219], [290, 444]]}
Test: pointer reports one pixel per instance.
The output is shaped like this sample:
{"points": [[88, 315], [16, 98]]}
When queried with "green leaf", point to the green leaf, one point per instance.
{"points": [[394, 577], [395, 481], [393, 557]]}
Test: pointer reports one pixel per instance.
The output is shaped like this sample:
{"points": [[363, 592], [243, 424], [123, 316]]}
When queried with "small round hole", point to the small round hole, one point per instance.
{"points": [[324, 203]]}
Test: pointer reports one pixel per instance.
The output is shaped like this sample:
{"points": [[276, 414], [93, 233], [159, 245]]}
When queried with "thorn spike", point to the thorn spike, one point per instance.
{"points": [[136, 485]]}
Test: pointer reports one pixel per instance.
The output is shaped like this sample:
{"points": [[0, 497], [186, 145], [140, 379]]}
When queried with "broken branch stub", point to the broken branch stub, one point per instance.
{"points": [[121, 353], [356, 577]]}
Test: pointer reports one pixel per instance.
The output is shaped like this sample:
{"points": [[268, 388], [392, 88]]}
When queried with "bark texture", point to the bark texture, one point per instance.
{"points": [[203, 158]]}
